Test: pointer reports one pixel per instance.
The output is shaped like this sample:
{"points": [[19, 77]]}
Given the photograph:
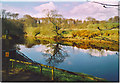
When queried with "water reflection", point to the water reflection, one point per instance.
{"points": [[52, 50], [31, 41], [55, 53], [97, 52], [100, 53]]}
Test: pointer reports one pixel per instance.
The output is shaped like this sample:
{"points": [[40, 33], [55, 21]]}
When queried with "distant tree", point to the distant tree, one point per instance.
{"points": [[116, 19], [12, 15], [79, 21], [8, 14], [65, 23], [3, 13], [91, 20], [110, 19], [16, 15], [30, 21], [55, 19]]}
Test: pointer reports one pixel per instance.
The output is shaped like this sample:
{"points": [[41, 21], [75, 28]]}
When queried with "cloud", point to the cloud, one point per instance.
{"points": [[112, 52], [0, 6], [68, 10], [41, 48], [93, 10], [41, 0], [36, 11], [66, 5], [108, 1], [98, 53], [21, 11], [48, 6], [12, 9]]}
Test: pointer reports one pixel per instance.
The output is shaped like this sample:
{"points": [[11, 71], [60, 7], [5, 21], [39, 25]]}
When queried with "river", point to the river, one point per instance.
{"points": [[100, 63]]}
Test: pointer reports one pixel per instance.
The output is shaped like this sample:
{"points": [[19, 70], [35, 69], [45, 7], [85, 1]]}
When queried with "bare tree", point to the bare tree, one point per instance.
{"points": [[55, 19]]}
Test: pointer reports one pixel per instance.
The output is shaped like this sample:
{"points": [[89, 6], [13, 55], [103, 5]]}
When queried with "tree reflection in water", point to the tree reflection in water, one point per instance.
{"points": [[56, 54]]}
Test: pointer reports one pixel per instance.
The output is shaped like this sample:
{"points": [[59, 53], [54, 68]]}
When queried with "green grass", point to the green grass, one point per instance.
{"points": [[60, 75]]}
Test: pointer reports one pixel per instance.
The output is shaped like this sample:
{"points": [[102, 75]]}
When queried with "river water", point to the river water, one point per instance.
{"points": [[100, 63]]}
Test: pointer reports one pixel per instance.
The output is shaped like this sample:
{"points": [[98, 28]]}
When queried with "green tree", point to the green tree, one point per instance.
{"points": [[110, 19], [30, 21], [8, 14], [55, 19], [91, 20], [116, 19], [16, 15]]}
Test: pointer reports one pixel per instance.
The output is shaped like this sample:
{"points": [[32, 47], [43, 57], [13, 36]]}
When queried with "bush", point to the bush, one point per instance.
{"points": [[74, 34]]}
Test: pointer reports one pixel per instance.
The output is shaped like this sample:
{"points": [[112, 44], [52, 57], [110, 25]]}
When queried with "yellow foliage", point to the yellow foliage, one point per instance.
{"points": [[12, 60], [90, 78], [17, 61]]}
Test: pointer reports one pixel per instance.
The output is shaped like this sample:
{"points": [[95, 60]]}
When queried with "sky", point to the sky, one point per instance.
{"points": [[69, 9]]}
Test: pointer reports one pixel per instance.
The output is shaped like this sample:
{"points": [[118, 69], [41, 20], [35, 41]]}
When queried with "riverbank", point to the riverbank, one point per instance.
{"points": [[46, 75], [94, 43], [79, 43]]}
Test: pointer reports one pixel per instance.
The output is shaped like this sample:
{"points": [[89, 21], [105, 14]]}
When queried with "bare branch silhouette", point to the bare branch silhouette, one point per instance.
{"points": [[105, 5]]}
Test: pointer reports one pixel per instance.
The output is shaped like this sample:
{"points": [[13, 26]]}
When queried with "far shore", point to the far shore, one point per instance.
{"points": [[83, 43]]}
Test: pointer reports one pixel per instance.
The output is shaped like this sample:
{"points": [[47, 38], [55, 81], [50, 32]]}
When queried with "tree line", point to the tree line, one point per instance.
{"points": [[8, 15], [11, 25], [53, 24]]}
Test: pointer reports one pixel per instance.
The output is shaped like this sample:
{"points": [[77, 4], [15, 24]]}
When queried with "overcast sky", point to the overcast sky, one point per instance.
{"points": [[72, 9]]}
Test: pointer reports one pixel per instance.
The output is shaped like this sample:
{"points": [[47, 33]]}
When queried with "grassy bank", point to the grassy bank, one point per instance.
{"points": [[80, 43], [82, 34], [59, 75], [45, 32]]}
